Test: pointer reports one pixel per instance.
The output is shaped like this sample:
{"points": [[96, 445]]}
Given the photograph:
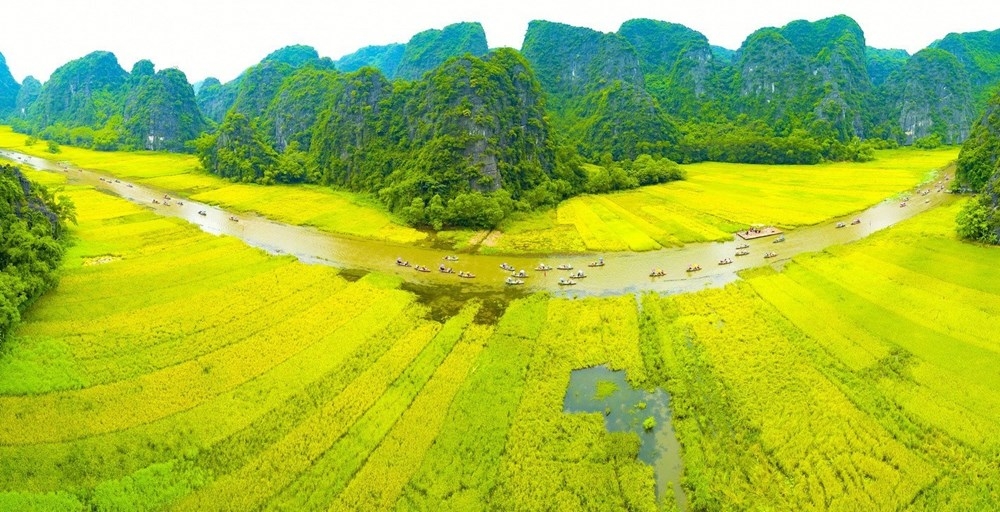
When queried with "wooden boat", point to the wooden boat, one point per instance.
{"points": [[693, 268], [565, 266], [779, 239], [770, 255], [566, 282], [421, 268], [451, 258], [658, 273], [742, 253], [513, 282], [543, 267]]}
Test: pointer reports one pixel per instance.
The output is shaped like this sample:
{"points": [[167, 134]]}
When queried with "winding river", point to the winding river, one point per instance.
{"points": [[624, 272]]}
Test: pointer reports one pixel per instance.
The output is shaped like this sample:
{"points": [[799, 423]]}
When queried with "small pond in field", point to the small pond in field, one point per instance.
{"points": [[626, 409]]}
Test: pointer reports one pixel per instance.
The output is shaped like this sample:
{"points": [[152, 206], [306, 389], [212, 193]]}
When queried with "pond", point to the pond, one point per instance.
{"points": [[626, 409]]}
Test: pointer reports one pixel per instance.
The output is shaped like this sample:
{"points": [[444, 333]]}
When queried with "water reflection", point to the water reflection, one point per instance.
{"points": [[625, 409]]}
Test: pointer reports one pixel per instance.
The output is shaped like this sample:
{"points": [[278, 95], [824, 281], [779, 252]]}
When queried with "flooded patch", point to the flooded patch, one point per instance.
{"points": [[626, 409], [100, 260]]}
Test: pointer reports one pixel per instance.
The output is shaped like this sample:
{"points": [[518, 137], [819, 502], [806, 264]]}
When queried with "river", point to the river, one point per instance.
{"points": [[623, 272]]}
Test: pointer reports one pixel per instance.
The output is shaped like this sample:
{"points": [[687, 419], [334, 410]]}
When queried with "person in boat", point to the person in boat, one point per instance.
{"points": [[522, 273]]}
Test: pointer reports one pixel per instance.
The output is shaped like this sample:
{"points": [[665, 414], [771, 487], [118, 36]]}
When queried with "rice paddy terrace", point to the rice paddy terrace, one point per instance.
{"points": [[175, 369]]}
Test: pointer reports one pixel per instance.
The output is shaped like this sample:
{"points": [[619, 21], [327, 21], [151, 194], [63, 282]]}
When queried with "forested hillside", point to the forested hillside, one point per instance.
{"points": [[93, 102], [978, 170], [31, 224], [441, 118]]}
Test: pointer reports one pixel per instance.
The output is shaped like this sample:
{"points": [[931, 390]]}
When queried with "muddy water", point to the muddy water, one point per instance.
{"points": [[622, 272], [624, 410]]}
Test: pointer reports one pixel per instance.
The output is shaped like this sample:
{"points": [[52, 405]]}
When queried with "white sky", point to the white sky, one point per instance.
{"points": [[221, 38]]}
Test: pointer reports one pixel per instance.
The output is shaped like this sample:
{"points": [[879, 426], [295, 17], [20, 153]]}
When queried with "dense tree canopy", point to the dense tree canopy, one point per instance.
{"points": [[32, 221]]}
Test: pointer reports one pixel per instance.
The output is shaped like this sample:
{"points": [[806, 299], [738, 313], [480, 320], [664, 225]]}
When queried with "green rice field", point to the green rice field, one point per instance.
{"points": [[718, 199], [175, 370]]}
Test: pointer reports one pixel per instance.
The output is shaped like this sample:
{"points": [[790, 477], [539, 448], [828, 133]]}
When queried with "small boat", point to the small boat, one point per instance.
{"points": [[742, 246], [445, 270], [855, 222], [421, 268], [566, 282], [451, 257], [543, 267], [577, 275], [770, 254], [598, 263], [693, 268], [520, 273], [165, 196], [511, 281], [725, 261], [402, 263], [234, 219], [565, 266], [180, 203], [742, 253], [467, 275], [902, 204], [202, 213], [840, 225], [779, 239], [507, 267], [117, 181], [659, 272], [129, 185]]}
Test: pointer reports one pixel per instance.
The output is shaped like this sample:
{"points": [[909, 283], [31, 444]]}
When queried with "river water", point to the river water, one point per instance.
{"points": [[622, 273]]}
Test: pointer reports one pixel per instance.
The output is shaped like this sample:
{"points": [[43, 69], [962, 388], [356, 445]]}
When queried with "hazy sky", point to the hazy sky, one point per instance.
{"points": [[221, 38]]}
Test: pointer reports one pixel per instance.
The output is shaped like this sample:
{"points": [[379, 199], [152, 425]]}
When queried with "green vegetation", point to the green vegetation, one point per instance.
{"points": [[92, 102], [978, 170], [716, 200], [161, 374], [32, 225]]}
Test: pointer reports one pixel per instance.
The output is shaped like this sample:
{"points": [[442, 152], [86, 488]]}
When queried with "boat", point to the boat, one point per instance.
{"points": [[543, 267], [770, 254], [577, 275], [566, 282], [565, 266], [742, 253], [855, 222], [421, 268], [742, 246], [451, 258], [520, 273], [507, 267], [511, 281], [779, 239], [657, 273], [598, 263], [445, 270], [402, 263], [902, 204], [840, 225], [693, 268], [234, 219], [202, 213], [725, 261], [467, 275]]}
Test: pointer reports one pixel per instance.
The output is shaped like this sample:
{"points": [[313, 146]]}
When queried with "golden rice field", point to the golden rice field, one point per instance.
{"points": [[172, 369], [328, 210], [718, 199]]}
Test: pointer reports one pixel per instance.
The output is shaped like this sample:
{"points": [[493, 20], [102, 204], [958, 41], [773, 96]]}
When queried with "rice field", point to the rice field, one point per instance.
{"points": [[325, 209], [176, 370], [716, 200]]}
